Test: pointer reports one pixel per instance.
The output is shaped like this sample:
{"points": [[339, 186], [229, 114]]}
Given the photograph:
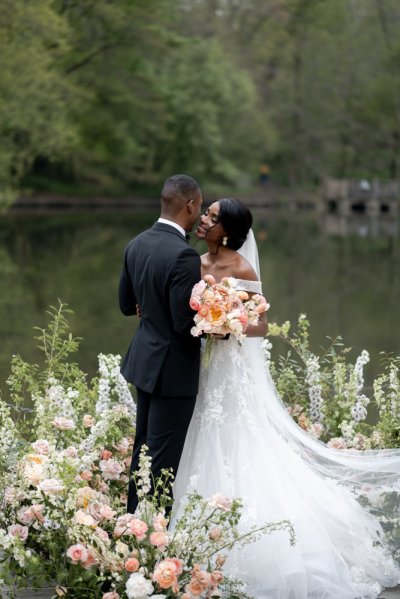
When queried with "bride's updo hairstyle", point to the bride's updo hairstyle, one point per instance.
{"points": [[236, 220]]}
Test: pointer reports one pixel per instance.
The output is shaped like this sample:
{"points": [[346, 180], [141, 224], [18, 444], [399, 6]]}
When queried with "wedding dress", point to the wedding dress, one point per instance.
{"points": [[243, 443]]}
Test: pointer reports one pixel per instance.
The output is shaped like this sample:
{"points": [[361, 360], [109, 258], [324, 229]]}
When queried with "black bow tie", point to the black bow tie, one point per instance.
{"points": [[187, 237]]}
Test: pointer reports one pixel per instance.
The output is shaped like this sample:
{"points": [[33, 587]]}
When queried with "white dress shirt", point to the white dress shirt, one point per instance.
{"points": [[164, 221]]}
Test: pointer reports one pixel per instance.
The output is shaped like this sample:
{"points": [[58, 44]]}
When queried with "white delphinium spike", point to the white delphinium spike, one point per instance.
{"points": [[313, 380]]}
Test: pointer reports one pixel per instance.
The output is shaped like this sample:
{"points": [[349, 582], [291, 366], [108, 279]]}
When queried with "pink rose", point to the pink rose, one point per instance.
{"points": [[106, 512], [89, 562], [337, 443], [138, 528], [88, 421], [29, 514], [159, 539], [106, 454], [70, 452], [194, 303], [41, 446], [132, 564], [86, 475], [110, 469], [18, 531], [123, 446], [103, 534], [122, 525], [221, 502], [77, 553], [111, 595], [63, 424]]}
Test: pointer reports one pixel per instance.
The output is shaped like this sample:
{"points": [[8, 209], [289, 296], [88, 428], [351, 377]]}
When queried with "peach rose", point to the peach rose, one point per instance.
{"points": [[165, 575], [215, 533], [138, 528], [216, 577], [83, 518], [203, 312], [159, 539], [106, 454], [77, 553], [132, 564], [195, 587], [160, 523], [86, 475], [88, 421]]}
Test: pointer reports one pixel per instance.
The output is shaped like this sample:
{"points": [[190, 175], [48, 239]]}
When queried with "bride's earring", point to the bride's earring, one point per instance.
{"points": [[225, 241]]}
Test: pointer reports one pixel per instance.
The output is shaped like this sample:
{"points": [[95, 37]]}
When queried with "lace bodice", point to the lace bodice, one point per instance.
{"points": [[250, 286]]}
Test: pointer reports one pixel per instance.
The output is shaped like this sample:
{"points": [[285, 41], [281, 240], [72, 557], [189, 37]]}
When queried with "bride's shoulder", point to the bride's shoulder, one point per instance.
{"points": [[244, 271]]}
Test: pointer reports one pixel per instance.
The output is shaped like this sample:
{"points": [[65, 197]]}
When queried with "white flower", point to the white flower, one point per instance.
{"points": [[51, 486], [33, 473], [137, 587]]}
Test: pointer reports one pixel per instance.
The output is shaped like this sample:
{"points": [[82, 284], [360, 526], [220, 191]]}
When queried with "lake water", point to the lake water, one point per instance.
{"points": [[348, 286]]}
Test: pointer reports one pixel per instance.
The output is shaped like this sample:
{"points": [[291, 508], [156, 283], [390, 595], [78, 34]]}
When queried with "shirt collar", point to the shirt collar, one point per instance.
{"points": [[164, 221]]}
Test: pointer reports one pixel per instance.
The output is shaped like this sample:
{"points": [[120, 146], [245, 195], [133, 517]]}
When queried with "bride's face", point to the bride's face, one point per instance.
{"points": [[209, 228]]}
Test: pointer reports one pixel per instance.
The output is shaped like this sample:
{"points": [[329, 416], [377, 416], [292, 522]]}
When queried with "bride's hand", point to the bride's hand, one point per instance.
{"points": [[138, 311]]}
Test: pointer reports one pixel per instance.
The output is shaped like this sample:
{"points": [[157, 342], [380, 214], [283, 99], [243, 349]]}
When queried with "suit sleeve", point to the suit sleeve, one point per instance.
{"points": [[185, 275], [127, 298]]}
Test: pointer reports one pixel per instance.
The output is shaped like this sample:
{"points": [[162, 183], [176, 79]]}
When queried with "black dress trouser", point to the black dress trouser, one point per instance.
{"points": [[161, 424]]}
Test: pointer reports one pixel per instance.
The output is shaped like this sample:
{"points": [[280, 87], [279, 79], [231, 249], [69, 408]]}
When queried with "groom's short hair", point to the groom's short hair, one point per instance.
{"points": [[177, 190]]}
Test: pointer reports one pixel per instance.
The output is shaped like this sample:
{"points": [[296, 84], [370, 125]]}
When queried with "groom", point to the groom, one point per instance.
{"points": [[159, 272]]}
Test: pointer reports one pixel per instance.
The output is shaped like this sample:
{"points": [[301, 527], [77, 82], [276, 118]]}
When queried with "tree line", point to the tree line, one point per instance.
{"points": [[109, 96]]}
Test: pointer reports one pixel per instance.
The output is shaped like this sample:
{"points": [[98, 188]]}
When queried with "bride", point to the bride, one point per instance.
{"points": [[242, 442]]}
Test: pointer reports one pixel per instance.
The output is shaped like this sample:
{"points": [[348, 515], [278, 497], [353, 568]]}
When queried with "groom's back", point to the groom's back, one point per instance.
{"points": [[160, 269]]}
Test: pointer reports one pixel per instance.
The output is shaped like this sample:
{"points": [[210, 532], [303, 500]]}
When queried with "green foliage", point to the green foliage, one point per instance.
{"points": [[107, 96], [336, 386]]}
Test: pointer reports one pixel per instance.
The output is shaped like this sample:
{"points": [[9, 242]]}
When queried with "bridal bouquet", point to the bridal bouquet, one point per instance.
{"points": [[223, 310]]}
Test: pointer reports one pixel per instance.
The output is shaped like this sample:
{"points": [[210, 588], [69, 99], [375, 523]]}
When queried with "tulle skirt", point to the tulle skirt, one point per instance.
{"points": [[242, 442]]}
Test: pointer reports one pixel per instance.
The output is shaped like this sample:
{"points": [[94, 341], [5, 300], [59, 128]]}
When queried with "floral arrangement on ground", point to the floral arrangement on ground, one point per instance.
{"points": [[65, 446]]}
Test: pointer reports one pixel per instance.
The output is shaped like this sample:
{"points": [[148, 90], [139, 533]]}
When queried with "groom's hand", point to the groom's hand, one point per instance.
{"points": [[138, 310]]}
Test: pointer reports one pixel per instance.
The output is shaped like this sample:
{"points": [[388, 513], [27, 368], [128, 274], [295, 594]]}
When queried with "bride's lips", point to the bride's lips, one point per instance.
{"points": [[202, 230]]}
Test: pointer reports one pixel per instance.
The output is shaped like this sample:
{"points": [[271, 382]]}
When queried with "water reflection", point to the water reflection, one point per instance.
{"points": [[347, 285]]}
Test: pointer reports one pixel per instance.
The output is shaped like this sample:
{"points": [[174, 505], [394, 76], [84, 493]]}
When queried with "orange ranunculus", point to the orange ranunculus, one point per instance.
{"points": [[165, 575]]}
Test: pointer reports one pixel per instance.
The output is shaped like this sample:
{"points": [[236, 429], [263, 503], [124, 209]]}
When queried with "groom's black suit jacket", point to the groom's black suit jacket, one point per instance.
{"points": [[159, 272]]}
